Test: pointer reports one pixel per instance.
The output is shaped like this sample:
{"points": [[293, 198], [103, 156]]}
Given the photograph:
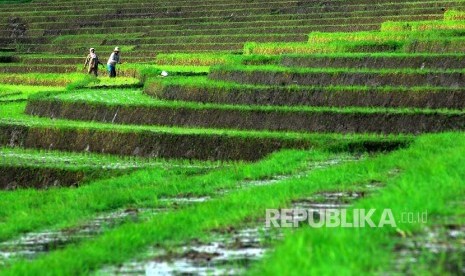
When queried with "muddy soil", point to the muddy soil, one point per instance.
{"points": [[227, 252], [439, 246], [311, 166], [319, 204], [32, 245]]}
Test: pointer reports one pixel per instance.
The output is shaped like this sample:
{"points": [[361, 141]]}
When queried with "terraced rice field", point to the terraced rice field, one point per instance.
{"points": [[239, 137]]}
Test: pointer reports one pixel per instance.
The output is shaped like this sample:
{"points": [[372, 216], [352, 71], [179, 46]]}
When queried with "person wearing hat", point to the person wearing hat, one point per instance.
{"points": [[92, 61], [112, 61]]}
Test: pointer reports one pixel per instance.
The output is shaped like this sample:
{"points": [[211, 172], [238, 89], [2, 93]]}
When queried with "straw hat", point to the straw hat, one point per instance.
{"points": [[116, 49], [91, 49]]}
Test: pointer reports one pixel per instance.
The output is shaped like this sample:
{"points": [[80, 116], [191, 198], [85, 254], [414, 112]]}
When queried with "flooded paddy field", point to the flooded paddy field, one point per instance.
{"points": [[439, 245], [238, 137], [226, 251], [223, 253]]}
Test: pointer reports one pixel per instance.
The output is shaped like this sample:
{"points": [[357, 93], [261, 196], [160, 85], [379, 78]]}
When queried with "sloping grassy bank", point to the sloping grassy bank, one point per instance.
{"points": [[201, 89], [26, 168], [170, 142], [273, 75], [132, 107]]}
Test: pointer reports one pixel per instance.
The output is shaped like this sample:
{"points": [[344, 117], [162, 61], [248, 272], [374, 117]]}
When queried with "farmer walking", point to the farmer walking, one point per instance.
{"points": [[112, 61], [93, 62]]}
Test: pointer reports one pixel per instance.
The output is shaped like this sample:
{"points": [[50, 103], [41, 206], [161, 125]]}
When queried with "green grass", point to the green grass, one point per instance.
{"points": [[290, 70], [372, 36], [148, 70], [384, 36], [371, 60], [426, 176], [120, 81], [136, 98], [258, 25], [188, 59], [28, 89], [31, 83], [209, 59], [423, 26], [365, 9], [13, 65], [12, 115], [151, 185], [367, 55], [143, 71], [14, 1], [134, 39], [89, 38], [274, 48], [318, 251], [453, 15], [32, 167], [10, 92], [202, 83], [19, 157], [60, 207], [430, 180], [215, 10], [49, 55], [365, 42], [41, 79]]}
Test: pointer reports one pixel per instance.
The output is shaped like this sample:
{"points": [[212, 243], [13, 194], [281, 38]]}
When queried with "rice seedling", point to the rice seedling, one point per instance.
{"points": [[220, 111]]}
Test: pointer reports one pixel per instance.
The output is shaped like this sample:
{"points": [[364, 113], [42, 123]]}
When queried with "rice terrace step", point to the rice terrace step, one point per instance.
{"points": [[134, 108], [203, 90], [238, 137]]}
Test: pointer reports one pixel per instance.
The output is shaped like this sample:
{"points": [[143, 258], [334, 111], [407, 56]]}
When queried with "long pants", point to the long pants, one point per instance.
{"points": [[111, 70], [94, 71]]}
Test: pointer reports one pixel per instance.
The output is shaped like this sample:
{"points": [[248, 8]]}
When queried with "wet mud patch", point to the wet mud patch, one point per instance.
{"points": [[303, 172], [374, 185], [228, 251], [182, 201], [30, 169], [438, 248], [315, 207], [35, 244], [328, 200], [189, 199]]}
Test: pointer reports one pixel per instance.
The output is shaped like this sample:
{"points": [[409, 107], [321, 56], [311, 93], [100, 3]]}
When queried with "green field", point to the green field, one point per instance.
{"points": [[248, 137]]}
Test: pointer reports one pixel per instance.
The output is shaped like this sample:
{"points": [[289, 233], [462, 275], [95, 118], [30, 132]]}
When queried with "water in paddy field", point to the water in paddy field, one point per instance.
{"points": [[441, 245], [327, 200], [227, 252], [35, 244], [185, 200], [310, 167], [231, 251], [32, 245]]}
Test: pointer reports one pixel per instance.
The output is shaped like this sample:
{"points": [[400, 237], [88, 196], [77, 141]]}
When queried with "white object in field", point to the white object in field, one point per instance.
{"points": [[164, 73]]}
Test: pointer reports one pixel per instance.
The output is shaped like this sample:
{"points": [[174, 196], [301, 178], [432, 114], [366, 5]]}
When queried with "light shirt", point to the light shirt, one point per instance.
{"points": [[114, 59]]}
